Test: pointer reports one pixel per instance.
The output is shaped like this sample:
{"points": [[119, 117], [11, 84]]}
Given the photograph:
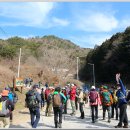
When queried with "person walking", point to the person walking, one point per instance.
{"points": [[33, 100], [58, 100], [122, 103], [49, 102], [65, 104], [94, 100], [42, 98], [115, 103], [6, 106], [72, 94], [107, 101], [81, 102]]}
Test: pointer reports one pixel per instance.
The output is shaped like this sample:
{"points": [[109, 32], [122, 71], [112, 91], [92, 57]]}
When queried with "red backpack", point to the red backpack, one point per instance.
{"points": [[93, 96]]}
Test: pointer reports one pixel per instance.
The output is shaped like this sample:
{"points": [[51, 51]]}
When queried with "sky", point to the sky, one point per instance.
{"points": [[85, 23]]}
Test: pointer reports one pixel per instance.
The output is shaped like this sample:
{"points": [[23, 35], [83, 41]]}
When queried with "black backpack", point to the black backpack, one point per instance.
{"points": [[31, 100]]}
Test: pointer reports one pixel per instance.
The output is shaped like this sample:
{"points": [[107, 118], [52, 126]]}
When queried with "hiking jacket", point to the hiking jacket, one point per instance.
{"points": [[47, 92], [9, 104], [121, 94], [63, 98], [73, 94], [98, 100], [81, 96], [110, 96]]}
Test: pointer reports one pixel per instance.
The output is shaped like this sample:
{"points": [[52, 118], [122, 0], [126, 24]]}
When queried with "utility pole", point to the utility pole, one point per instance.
{"points": [[77, 68], [19, 63], [93, 73]]}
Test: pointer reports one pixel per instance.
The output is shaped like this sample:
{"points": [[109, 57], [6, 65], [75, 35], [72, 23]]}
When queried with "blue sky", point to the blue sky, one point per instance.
{"points": [[84, 23]]}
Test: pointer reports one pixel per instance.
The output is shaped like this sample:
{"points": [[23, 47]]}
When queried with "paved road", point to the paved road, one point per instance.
{"points": [[69, 122]]}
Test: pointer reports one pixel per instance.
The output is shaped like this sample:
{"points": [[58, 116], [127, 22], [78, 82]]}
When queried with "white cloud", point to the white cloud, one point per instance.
{"points": [[34, 14], [89, 41], [61, 22], [96, 21]]}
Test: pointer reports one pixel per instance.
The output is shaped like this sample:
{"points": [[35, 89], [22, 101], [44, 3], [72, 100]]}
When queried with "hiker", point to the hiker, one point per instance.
{"points": [[106, 99], [33, 100], [81, 102], [5, 107], [58, 100], [49, 102], [65, 104], [115, 103], [76, 99], [42, 98], [72, 98], [94, 100], [122, 103]]}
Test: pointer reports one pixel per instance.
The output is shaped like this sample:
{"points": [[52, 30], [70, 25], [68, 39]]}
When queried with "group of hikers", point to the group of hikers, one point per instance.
{"points": [[111, 99], [8, 99], [55, 100]]}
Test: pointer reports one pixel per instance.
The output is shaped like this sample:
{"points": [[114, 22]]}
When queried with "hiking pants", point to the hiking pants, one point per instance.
{"points": [[73, 106], [57, 112], [123, 115], [42, 103], [108, 108], [114, 107], [5, 122], [94, 110], [35, 116], [48, 109], [76, 103], [81, 107]]}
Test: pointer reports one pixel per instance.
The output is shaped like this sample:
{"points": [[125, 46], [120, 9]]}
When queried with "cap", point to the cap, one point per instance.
{"points": [[105, 87], [93, 87]]}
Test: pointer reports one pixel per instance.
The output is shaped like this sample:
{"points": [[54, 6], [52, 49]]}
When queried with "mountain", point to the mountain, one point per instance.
{"points": [[111, 57], [46, 58]]}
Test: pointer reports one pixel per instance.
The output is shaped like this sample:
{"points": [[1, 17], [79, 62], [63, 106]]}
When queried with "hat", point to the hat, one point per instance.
{"points": [[5, 93], [105, 87], [93, 87], [63, 88], [72, 85]]}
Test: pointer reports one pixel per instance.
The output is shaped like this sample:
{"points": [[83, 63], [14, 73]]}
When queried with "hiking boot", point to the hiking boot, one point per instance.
{"points": [[125, 126], [109, 121], [56, 125], [93, 121], [117, 126], [60, 125]]}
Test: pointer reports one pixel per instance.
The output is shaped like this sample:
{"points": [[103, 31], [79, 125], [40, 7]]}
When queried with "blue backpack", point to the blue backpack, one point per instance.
{"points": [[11, 96]]}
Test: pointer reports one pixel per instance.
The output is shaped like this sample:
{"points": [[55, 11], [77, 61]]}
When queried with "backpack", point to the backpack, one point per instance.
{"points": [[57, 100], [49, 98], [31, 100], [106, 97], [92, 96], [11, 96], [3, 109]]}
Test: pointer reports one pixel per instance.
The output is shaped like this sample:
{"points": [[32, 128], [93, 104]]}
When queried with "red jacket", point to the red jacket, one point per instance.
{"points": [[73, 93]]}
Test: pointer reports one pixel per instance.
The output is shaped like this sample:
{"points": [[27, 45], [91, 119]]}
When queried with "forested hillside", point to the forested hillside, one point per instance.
{"points": [[46, 58], [111, 57]]}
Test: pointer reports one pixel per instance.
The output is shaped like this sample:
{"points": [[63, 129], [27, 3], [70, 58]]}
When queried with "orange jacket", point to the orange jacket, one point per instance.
{"points": [[111, 100]]}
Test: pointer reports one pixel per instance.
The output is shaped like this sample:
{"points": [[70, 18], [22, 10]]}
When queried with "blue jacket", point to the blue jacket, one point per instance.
{"points": [[121, 94]]}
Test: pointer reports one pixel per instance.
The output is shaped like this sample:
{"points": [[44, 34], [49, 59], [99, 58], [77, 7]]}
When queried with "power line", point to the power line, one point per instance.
{"points": [[2, 30]]}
